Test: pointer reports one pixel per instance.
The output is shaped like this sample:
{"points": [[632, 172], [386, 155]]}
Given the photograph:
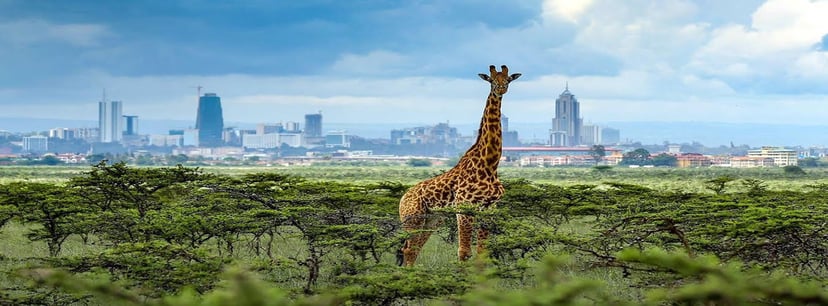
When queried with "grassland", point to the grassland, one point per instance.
{"points": [[687, 179]]}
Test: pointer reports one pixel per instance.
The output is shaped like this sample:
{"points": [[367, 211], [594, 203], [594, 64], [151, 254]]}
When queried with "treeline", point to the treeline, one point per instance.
{"points": [[180, 236]]}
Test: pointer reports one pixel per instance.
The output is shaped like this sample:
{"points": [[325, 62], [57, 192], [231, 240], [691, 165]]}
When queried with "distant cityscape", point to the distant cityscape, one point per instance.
{"points": [[570, 142]]}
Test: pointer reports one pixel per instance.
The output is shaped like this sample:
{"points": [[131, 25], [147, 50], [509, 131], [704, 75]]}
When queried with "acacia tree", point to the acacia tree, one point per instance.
{"points": [[127, 198], [597, 152], [54, 208], [638, 157], [7, 209]]}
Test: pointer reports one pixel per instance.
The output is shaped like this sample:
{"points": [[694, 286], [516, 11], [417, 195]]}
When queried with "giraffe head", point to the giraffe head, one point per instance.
{"points": [[499, 80]]}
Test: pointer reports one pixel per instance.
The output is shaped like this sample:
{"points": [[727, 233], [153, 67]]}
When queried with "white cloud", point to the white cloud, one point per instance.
{"points": [[33, 31], [569, 10], [377, 62], [781, 34]]}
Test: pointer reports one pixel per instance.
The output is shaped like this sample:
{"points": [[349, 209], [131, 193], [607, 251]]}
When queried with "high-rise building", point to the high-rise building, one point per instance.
{"points": [[131, 125], [292, 127], [36, 144], [209, 121], [61, 133], [88, 134], [566, 126], [591, 135], [109, 120], [264, 128], [510, 138], [313, 125]]}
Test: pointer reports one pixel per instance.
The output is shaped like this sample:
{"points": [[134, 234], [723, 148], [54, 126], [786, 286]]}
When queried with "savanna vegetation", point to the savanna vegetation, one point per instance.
{"points": [[117, 234]]}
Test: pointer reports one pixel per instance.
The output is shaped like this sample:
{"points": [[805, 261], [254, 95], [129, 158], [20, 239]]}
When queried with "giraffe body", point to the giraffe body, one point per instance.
{"points": [[472, 181]]}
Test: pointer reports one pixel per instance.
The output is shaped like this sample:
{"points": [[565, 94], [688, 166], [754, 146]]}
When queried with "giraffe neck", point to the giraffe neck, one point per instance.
{"points": [[488, 148]]}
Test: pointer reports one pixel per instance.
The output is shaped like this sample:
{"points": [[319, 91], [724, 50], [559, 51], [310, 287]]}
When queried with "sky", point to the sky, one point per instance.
{"points": [[416, 61]]}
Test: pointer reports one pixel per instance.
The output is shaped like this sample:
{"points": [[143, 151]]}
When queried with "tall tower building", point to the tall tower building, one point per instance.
{"points": [[110, 124], [567, 124], [130, 125], [313, 125], [209, 121]]}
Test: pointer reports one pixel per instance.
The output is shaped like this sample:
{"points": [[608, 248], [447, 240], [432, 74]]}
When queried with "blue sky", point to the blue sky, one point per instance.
{"points": [[416, 61]]}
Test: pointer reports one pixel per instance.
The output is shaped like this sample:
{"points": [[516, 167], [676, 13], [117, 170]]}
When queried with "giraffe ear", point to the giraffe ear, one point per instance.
{"points": [[485, 77], [514, 77]]}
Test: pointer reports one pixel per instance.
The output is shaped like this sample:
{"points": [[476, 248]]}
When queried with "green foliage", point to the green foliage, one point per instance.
{"points": [[638, 157], [718, 185], [793, 170], [418, 162], [387, 285], [708, 281], [162, 236], [179, 159], [602, 168], [54, 208], [809, 162], [597, 152], [755, 187], [664, 160]]}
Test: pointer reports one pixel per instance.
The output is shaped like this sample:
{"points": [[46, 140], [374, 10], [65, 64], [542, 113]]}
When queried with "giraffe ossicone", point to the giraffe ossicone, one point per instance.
{"points": [[472, 181]]}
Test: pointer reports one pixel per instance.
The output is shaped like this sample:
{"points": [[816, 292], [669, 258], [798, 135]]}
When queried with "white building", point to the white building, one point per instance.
{"points": [[62, 133], [110, 121], [271, 141], [166, 140], [337, 139], [36, 144], [781, 156], [591, 135]]}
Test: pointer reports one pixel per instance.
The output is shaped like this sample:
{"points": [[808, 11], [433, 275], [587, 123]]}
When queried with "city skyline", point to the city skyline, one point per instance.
{"points": [[682, 61]]}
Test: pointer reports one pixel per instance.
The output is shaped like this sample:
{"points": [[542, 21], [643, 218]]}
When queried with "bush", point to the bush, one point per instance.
{"points": [[418, 162]]}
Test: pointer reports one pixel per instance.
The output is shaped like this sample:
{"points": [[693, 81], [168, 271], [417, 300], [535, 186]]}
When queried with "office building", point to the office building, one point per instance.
{"points": [[292, 127], [567, 124], [209, 121], [781, 156], [110, 125], [441, 133], [271, 141], [87, 134], [313, 125], [166, 140], [337, 139], [62, 133], [130, 125], [264, 128], [36, 144], [591, 135]]}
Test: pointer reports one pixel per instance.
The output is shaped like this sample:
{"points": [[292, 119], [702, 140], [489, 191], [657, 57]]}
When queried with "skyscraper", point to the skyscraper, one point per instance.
{"points": [[109, 120], [209, 121], [313, 125], [131, 125], [566, 126]]}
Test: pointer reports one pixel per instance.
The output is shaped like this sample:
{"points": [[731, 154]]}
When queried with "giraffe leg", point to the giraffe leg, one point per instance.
{"points": [[465, 229], [482, 235], [421, 227]]}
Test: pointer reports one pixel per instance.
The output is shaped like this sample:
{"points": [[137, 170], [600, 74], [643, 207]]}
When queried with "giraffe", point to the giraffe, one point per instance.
{"points": [[472, 181]]}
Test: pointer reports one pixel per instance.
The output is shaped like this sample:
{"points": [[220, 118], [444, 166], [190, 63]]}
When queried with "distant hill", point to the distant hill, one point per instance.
{"points": [[707, 133]]}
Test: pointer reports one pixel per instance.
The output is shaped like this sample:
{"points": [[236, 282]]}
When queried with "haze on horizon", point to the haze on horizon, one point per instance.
{"points": [[387, 61]]}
